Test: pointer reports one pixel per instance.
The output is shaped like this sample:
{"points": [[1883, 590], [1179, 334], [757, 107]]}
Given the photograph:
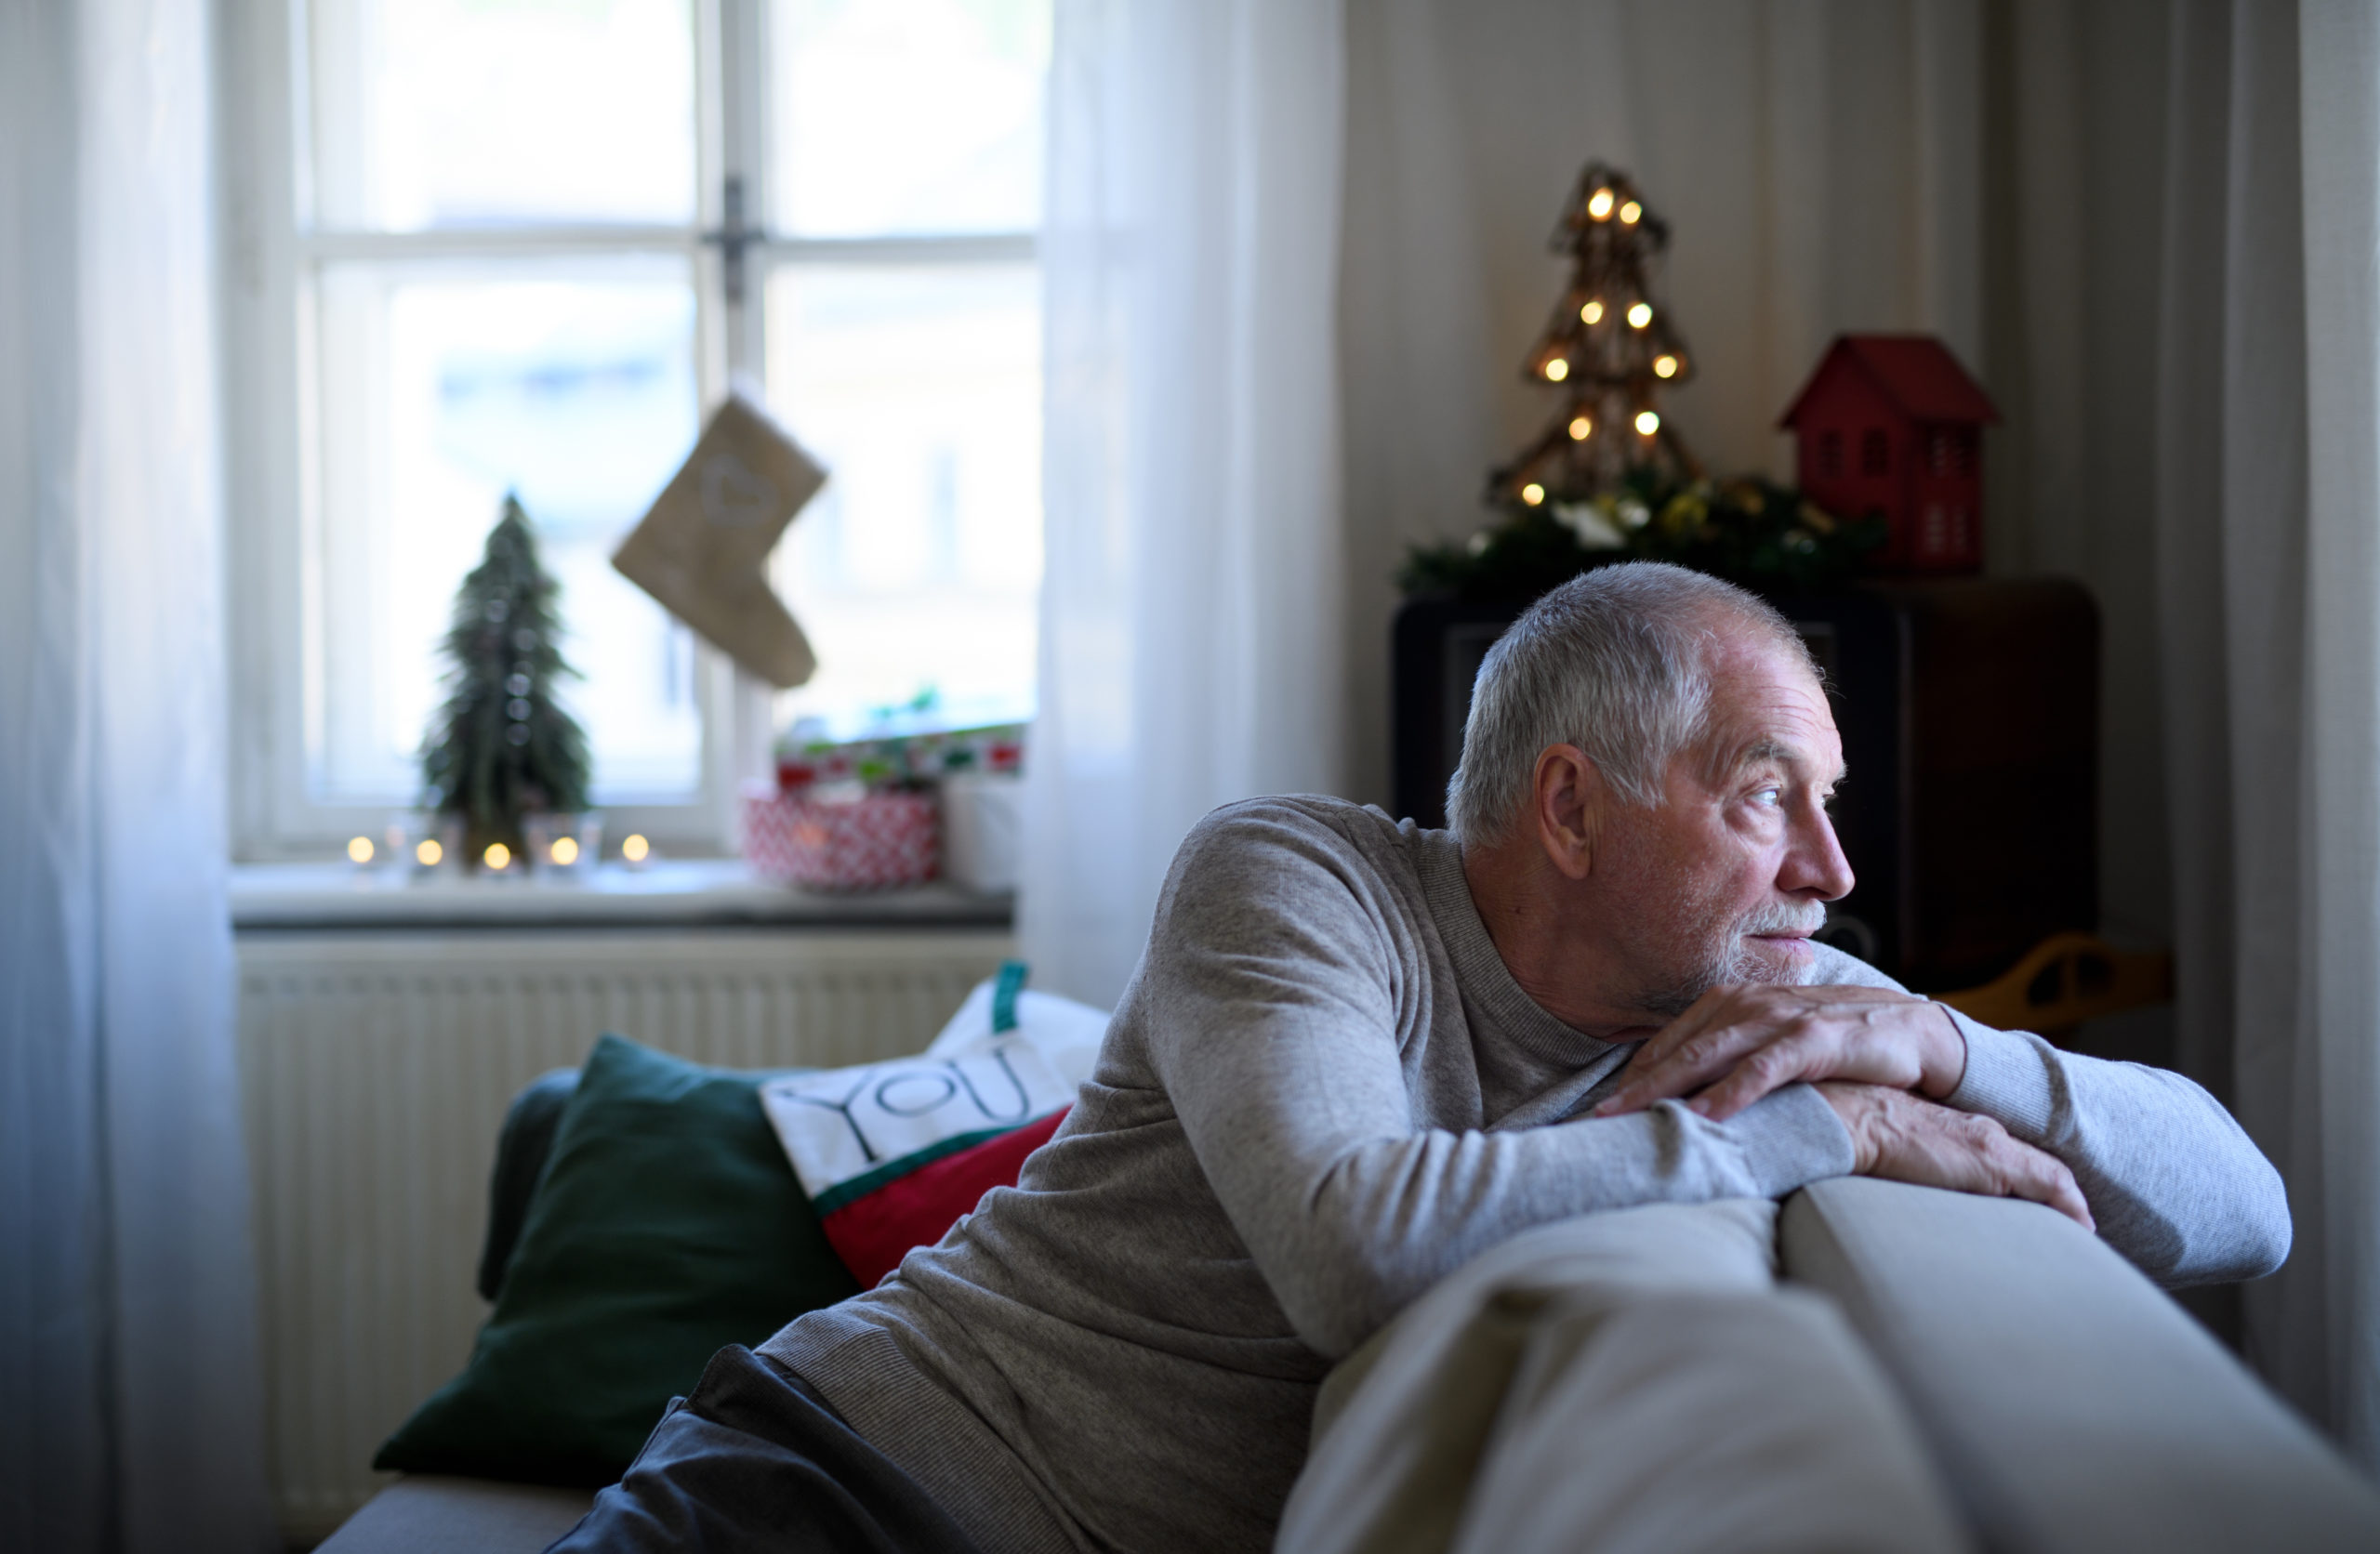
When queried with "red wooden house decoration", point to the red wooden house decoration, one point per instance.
{"points": [[1892, 424]]}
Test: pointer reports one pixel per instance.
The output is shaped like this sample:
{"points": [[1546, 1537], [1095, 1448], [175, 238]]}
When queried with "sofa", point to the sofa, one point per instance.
{"points": [[2059, 1399]]}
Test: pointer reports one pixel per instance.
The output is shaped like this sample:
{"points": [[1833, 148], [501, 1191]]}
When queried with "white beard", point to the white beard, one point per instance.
{"points": [[1732, 960]]}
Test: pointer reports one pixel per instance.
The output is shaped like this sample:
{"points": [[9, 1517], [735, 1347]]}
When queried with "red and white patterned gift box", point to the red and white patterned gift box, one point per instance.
{"points": [[864, 842]]}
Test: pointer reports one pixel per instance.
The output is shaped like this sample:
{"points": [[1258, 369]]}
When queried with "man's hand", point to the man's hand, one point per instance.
{"points": [[1745, 1040], [1899, 1137]]}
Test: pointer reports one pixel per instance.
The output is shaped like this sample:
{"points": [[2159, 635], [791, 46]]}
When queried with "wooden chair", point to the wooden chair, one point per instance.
{"points": [[2065, 979]]}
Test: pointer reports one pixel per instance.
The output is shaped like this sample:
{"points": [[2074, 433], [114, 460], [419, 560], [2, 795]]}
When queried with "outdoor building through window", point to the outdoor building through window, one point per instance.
{"points": [[519, 246]]}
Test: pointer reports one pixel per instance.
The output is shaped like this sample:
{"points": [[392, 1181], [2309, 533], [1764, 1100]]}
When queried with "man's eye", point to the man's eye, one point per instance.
{"points": [[1772, 796]]}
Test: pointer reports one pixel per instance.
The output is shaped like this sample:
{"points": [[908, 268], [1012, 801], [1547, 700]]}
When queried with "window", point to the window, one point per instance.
{"points": [[1950, 450], [491, 246], [1875, 451], [1934, 533], [1830, 453]]}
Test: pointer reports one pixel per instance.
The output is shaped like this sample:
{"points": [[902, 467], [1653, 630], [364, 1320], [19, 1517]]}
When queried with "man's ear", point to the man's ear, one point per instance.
{"points": [[1570, 800]]}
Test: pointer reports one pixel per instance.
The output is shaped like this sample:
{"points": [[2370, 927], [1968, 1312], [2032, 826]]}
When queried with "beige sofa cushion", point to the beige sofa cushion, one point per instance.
{"points": [[2071, 1403], [1732, 1424], [1630, 1382], [430, 1514]]}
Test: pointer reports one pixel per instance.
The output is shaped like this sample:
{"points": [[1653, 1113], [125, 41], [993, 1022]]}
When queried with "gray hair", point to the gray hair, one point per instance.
{"points": [[1616, 662]]}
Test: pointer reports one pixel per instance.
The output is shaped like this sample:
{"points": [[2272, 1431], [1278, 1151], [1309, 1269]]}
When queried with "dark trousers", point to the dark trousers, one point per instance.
{"points": [[754, 1461]]}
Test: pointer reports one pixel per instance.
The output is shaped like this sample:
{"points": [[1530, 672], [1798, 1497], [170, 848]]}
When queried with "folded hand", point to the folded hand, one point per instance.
{"points": [[1738, 1043], [1901, 1137]]}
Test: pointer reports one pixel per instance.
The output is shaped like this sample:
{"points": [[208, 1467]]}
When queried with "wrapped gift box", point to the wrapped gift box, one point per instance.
{"points": [[854, 841], [920, 753]]}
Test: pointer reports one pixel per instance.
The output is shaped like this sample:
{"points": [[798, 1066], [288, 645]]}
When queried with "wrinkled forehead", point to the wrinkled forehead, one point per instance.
{"points": [[1767, 707]]}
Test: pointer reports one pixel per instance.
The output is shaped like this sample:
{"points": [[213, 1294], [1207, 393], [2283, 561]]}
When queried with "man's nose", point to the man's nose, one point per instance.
{"points": [[1814, 864]]}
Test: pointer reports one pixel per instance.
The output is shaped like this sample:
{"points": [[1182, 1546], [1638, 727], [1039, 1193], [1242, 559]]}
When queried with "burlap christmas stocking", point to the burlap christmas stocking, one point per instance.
{"points": [[703, 548]]}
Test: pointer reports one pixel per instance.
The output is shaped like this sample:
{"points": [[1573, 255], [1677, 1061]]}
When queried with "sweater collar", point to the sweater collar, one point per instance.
{"points": [[1485, 980]]}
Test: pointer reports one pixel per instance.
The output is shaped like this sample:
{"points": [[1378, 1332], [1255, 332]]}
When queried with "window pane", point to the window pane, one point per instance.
{"points": [[443, 387], [915, 568], [898, 116], [480, 113]]}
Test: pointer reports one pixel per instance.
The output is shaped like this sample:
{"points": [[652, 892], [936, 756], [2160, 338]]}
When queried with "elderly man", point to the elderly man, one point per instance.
{"points": [[1357, 1055]]}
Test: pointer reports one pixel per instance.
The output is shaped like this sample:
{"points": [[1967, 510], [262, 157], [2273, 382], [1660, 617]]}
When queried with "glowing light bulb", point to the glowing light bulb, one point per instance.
{"points": [[1599, 204], [565, 852], [1665, 366], [1648, 423], [1556, 370], [498, 856], [1532, 493], [1630, 212], [360, 850], [1580, 428], [1590, 313], [1640, 315], [635, 848], [428, 854]]}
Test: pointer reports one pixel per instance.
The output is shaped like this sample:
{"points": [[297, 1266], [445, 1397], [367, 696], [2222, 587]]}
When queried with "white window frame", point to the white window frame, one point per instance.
{"points": [[270, 254]]}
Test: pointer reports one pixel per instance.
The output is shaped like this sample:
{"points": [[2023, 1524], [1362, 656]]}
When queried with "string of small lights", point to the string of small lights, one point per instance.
{"points": [[1609, 480], [1748, 530], [1610, 347]]}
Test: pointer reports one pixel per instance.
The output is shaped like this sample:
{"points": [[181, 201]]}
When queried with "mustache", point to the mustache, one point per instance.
{"points": [[1784, 917]]}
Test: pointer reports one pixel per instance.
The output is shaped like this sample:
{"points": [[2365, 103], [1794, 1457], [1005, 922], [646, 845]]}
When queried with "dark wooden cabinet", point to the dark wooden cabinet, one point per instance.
{"points": [[1969, 712]]}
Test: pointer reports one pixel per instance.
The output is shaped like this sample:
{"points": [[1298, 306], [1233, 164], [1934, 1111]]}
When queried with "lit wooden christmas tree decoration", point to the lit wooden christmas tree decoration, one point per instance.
{"points": [[1610, 348]]}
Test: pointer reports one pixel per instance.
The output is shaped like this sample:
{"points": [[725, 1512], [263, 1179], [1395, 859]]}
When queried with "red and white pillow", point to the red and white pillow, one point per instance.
{"points": [[892, 1153]]}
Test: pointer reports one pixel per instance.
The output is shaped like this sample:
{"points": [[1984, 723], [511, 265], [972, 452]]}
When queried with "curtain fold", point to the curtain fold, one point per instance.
{"points": [[2267, 504], [1191, 599], [130, 1404], [2333, 1099]]}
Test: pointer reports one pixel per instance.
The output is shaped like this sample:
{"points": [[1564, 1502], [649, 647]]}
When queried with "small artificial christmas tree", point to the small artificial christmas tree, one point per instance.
{"points": [[502, 747], [1610, 348]]}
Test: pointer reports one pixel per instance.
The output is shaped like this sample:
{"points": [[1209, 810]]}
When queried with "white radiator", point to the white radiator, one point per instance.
{"points": [[377, 1069]]}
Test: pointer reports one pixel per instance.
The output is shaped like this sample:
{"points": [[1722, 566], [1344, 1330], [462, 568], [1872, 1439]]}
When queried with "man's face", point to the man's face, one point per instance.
{"points": [[1730, 875]]}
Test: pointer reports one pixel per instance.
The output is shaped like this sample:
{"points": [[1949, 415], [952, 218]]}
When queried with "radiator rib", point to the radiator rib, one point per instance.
{"points": [[377, 1067]]}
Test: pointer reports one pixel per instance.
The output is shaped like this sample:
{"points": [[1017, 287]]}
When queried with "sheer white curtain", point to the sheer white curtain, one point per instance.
{"points": [[1191, 646], [129, 1402], [2334, 1100], [2269, 568]]}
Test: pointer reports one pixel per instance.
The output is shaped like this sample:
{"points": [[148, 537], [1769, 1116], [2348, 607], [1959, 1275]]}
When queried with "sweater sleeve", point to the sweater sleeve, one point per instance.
{"points": [[2175, 1184], [1270, 1000]]}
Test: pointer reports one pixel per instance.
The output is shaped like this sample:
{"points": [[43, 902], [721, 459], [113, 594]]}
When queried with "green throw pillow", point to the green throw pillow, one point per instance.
{"points": [[667, 1224]]}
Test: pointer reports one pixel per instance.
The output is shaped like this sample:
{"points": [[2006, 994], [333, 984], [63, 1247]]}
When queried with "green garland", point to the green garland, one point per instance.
{"points": [[1748, 531]]}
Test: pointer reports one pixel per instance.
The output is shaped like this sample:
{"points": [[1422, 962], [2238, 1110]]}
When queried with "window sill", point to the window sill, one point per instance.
{"points": [[676, 893]]}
